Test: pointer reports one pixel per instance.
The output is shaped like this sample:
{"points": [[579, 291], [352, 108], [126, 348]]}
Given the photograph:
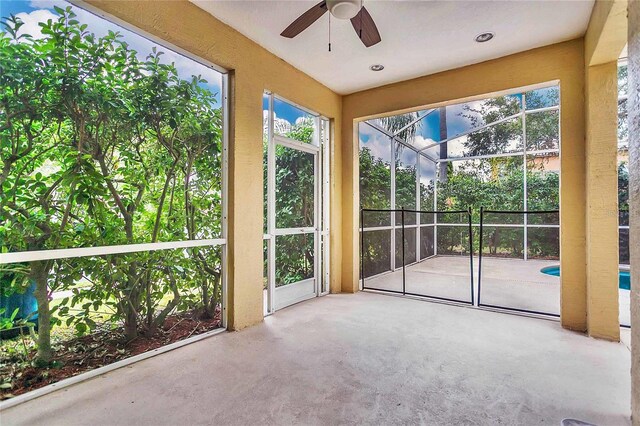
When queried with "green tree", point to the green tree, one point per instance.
{"points": [[101, 148], [295, 206], [403, 126], [623, 186], [499, 138]]}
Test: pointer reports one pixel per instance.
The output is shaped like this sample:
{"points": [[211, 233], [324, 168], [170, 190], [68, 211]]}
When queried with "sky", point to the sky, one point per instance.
{"points": [[284, 110], [378, 143], [428, 131], [33, 11], [458, 124]]}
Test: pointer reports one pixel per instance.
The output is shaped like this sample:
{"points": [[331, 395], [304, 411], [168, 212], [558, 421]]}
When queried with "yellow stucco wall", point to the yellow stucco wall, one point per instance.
{"points": [[601, 96], [605, 38], [606, 33], [253, 70], [634, 201], [563, 62]]}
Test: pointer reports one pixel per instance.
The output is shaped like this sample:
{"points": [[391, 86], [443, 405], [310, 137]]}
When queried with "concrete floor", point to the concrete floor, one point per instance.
{"points": [[363, 358], [512, 283]]}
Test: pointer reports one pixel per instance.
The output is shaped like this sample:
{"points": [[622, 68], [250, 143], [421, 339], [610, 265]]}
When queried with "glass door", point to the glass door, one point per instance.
{"points": [[294, 216]]}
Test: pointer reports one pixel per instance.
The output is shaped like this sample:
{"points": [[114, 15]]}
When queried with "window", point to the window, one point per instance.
{"points": [[113, 206], [498, 153], [623, 161]]}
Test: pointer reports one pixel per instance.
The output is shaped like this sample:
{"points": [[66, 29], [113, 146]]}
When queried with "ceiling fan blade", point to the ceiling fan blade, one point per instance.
{"points": [[305, 20], [366, 28]]}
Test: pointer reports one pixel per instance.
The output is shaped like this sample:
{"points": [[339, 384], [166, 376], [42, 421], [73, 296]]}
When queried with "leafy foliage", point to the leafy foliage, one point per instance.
{"points": [[294, 204], [100, 148], [492, 183], [400, 125]]}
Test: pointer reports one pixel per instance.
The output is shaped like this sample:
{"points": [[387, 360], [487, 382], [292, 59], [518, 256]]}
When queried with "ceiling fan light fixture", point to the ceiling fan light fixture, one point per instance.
{"points": [[376, 67], [484, 37], [344, 9]]}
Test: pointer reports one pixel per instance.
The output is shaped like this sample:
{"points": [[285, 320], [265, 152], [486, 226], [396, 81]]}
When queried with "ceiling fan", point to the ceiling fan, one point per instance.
{"points": [[342, 9]]}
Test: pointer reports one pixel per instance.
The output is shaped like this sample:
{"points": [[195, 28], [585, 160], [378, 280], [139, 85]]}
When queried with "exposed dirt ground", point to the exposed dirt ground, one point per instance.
{"points": [[95, 350]]}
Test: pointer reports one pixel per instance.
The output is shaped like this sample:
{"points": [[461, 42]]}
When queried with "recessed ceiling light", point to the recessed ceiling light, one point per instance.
{"points": [[376, 67], [484, 37]]}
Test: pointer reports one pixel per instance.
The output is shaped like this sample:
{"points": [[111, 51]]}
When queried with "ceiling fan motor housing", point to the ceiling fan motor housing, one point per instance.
{"points": [[344, 9]]}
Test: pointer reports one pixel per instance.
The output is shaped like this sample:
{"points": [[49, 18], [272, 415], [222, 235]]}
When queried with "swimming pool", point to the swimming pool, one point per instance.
{"points": [[624, 281]]}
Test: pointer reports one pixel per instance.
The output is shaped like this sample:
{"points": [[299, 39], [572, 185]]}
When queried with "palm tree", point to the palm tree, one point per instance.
{"points": [[403, 126]]}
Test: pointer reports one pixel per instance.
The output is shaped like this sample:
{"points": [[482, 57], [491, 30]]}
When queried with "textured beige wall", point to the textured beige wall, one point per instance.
{"points": [[563, 62], [601, 95], [634, 201], [605, 38], [607, 32], [253, 70]]}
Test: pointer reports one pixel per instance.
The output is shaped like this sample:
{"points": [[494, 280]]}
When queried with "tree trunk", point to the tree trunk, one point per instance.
{"points": [[205, 298], [162, 316], [132, 304], [130, 323], [39, 274]]}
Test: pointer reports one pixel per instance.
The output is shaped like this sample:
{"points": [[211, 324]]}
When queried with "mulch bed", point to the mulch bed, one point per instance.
{"points": [[98, 349]]}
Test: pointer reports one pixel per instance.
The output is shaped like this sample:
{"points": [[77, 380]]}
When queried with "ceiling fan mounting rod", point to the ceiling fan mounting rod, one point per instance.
{"points": [[329, 32], [360, 32]]}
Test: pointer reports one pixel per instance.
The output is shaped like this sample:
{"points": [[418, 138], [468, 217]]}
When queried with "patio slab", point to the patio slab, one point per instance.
{"points": [[509, 283], [360, 359]]}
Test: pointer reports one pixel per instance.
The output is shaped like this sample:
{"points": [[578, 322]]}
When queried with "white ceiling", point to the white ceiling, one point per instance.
{"points": [[418, 37]]}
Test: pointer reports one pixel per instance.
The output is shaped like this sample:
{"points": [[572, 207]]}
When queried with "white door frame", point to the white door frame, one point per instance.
{"points": [[278, 298]]}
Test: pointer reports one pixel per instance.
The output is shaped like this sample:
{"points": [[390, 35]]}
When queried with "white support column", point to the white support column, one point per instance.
{"points": [[418, 207], [326, 205], [271, 210], [317, 210], [435, 208], [393, 203], [525, 204]]}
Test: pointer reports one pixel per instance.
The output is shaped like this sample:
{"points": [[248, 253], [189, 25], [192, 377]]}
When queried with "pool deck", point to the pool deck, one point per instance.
{"points": [[510, 283]]}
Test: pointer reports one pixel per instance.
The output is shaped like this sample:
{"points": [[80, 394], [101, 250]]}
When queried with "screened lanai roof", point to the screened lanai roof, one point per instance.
{"points": [[425, 130]]}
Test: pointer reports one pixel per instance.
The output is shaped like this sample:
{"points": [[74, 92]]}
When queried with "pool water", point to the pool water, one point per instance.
{"points": [[624, 281]]}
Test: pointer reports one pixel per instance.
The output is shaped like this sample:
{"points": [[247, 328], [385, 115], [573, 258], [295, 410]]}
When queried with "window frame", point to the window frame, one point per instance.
{"points": [[423, 155], [67, 253]]}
